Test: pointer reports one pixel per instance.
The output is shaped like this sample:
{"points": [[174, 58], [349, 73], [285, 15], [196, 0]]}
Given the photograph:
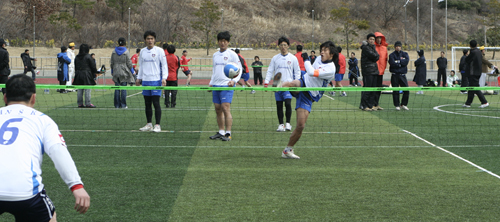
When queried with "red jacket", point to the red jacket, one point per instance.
{"points": [[184, 61], [301, 61], [134, 59], [341, 64], [244, 64], [173, 66], [382, 53]]}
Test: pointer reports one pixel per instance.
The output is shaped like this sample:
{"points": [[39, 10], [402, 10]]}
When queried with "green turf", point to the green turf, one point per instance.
{"points": [[354, 166]]}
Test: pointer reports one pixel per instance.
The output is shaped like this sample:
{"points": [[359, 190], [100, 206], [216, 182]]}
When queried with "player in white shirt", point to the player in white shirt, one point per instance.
{"points": [[317, 75], [25, 136], [153, 71], [222, 98], [283, 67], [71, 66]]}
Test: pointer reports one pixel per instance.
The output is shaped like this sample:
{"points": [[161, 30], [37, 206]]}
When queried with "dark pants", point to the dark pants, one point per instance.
{"points": [[174, 94], [465, 81], [288, 108], [399, 80], [379, 80], [3, 80], [474, 81], [368, 97], [62, 83], [155, 101], [33, 75], [353, 78], [441, 76], [120, 99], [257, 77]]}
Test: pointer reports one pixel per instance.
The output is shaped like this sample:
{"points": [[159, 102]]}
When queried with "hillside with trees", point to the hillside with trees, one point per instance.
{"points": [[255, 23]]}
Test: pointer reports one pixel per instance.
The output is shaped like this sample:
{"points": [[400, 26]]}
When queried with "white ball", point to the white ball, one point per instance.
{"points": [[231, 70]]}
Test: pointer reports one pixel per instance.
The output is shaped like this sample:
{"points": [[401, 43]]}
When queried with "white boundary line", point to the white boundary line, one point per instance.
{"points": [[438, 108], [241, 147], [134, 94], [453, 154], [239, 132]]}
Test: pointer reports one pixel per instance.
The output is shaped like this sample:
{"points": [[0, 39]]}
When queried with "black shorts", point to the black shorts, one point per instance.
{"points": [[37, 209], [187, 72]]}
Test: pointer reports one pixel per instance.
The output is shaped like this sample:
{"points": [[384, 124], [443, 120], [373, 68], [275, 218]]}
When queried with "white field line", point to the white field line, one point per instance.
{"points": [[134, 94], [240, 147], [453, 154], [239, 132], [438, 108]]}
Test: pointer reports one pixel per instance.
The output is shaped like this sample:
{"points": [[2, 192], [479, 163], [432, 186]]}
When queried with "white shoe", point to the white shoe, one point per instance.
{"points": [[157, 128], [343, 94], [277, 80], [253, 92], [147, 127], [405, 107], [466, 106], [398, 108], [288, 127], [281, 128], [289, 154], [484, 105]]}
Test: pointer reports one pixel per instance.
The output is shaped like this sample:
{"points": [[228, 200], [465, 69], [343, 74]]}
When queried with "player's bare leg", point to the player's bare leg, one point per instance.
{"points": [[338, 84], [220, 115], [188, 82], [228, 120], [54, 218], [302, 116]]}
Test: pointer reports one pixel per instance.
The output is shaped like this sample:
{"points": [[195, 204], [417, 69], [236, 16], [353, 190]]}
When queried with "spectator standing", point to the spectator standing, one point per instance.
{"points": [[353, 70], [420, 71], [257, 71], [184, 61], [85, 74], [369, 67], [442, 64], [398, 61], [301, 60], [134, 60], [122, 71], [4, 64], [153, 71], [71, 70], [28, 66], [452, 79], [462, 68], [63, 62], [173, 68], [312, 57], [473, 62], [33, 134], [484, 67], [381, 47], [246, 72]]}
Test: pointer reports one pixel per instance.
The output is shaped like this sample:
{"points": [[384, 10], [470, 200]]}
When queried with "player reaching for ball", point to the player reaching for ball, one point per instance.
{"points": [[318, 74], [222, 98], [283, 67]]}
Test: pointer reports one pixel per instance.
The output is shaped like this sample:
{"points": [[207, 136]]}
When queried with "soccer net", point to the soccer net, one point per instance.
{"points": [[434, 117]]}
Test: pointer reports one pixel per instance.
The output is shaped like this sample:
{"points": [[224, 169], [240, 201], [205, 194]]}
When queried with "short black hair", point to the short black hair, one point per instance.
{"points": [[339, 49], [442, 52], [137, 50], [473, 43], [283, 39], [299, 48], [465, 51], [84, 49], [312, 51], [149, 33], [63, 48], [171, 49], [353, 53], [256, 57], [224, 36], [19, 88], [165, 46], [122, 41], [453, 71], [237, 51], [333, 51], [26, 50], [92, 54]]}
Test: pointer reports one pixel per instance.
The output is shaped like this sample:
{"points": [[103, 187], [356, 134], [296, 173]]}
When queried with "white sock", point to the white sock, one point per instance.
{"points": [[288, 149], [222, 132], [228, 132], [149, 124]]}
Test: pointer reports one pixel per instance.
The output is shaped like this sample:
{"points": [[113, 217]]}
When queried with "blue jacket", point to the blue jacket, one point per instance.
{"points": [[353, 67], [398, 62], [62, 66]]}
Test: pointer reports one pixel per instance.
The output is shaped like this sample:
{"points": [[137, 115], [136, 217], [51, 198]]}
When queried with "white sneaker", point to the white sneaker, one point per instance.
{"points": [[398, 108], [289, 154], [147, 127], [405, 107], [281, 128], [466, 106], [288, 127], [277, 80], [343, 94], [253, 92], [157, 128], [484, 105]]}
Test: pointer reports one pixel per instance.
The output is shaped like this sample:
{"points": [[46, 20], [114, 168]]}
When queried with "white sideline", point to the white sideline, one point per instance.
{"points": [[438, 108], [239, 132], [134, 94], [453, 154], [238, 147]]}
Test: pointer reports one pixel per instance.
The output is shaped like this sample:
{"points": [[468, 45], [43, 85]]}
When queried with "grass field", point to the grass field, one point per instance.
{"points": [[436, 162]]}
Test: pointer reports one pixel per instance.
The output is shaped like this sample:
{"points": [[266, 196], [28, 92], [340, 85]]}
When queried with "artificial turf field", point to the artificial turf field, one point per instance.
{"points": [[436, 162]]}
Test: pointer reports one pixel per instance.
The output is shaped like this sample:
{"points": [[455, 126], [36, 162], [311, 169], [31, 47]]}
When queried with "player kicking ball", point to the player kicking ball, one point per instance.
{"points": [[317, 75]]}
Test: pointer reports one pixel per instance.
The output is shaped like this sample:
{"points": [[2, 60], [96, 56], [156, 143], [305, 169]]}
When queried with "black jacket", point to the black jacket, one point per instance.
{"points": [[420, 71], [473, 62], [353, 67], [27, 60], [398, 62], [85, 70], [442, 63], [4, 62], [242, 61], [257, 69], [369, 58]]}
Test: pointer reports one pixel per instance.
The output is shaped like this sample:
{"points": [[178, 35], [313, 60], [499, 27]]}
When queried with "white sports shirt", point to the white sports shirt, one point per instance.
{"points": [[25, 135], [288, 65], [318, 75], [152, 64], [220, 59]]}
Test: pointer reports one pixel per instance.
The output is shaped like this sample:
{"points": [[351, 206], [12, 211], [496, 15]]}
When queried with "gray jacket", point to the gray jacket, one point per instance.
{"points": [[121, 65]]}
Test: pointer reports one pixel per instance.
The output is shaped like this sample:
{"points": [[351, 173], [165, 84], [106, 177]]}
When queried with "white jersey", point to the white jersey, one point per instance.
{"points": [[318, 75], [220, 59], [288, 65], [152, 64], [71, 66], [25, 135]]}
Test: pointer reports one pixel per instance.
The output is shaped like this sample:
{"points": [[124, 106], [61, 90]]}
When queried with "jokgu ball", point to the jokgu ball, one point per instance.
{"points": [[231, 70]]}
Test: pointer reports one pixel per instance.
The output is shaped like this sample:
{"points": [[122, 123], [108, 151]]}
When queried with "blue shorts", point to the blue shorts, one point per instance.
{"points": [[156, 92], [245, 76], [222, 96], [187, 72], [282, 95], [302, 73], [339, 77], [303, 102], [37, 208]]}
